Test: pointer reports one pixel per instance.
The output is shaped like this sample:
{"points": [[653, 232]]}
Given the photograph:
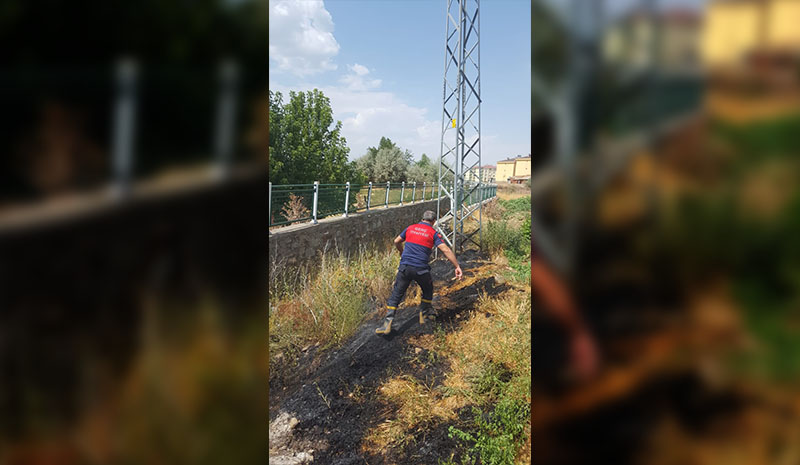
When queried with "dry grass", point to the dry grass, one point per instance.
{"points": [[416, 405], [502, 338], [327, 308], [512, 191]]}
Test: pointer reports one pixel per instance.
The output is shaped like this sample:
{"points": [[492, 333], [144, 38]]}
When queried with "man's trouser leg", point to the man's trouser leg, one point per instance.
{"points": [[401, 283], [425, 281]]}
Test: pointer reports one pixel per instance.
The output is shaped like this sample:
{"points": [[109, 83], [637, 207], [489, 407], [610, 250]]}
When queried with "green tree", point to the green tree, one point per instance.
{"points": [[366, 163], [424, 170], [304, 143], [391, 164], [386, 162]]}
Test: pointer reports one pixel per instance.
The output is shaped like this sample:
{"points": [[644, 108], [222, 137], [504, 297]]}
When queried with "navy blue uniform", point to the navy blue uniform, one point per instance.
{"points": [[420, 239]]}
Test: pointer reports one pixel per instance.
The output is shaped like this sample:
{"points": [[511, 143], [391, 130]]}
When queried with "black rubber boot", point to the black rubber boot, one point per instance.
{"points": [[430, 313], [386, 327], [427, 314]]}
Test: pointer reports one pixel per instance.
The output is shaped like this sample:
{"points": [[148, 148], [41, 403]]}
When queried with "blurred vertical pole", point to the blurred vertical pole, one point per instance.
{"points": [[414, 192], [653, 105], [124, 126], [654, 44], [369, 195], [402, 192], [225, 117], [423, 190], [388, 186], [567, 135], [269, 201]]}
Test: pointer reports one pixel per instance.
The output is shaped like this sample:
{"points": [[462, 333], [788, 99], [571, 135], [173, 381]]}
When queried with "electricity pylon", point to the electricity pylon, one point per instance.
{"points": [[461, 125]]}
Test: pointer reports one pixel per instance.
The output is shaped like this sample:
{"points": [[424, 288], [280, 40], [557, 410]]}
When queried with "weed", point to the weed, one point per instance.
{"points": [[431, 357], [490, 379], [498, 435], [519, 205], [357, 393], [323, 396]]}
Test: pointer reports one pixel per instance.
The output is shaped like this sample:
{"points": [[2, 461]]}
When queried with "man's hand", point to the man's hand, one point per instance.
{"points": [[398, 243], [584, 359], [450, 256]]}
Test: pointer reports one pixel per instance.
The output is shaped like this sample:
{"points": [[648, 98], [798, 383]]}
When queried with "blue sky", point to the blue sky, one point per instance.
{"points": [[381, 63]]}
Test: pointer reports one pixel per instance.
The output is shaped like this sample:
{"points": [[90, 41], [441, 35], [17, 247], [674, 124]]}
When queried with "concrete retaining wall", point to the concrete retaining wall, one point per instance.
{"points": [[299, 244]]}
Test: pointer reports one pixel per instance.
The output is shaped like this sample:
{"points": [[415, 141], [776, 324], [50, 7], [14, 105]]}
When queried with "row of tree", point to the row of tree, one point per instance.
{"points": [[305, 145]]}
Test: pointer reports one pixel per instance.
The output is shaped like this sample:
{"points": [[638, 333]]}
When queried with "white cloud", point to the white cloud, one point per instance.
{"points": [[357, 78], [301, 37], [358, 69]]}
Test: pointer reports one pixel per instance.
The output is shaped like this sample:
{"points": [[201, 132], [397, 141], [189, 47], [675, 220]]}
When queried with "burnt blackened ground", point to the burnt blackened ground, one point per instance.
{"points": [[334, 394]]}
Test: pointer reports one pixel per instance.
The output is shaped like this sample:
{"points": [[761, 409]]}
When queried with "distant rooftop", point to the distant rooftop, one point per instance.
{"points": [[514, 159]]}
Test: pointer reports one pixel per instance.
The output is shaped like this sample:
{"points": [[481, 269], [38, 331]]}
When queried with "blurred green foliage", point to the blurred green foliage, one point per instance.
{"points": [[716, 233]]}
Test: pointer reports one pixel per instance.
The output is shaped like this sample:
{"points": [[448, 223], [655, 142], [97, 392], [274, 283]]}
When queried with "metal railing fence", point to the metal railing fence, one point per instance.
{"points": [[295, 203]]}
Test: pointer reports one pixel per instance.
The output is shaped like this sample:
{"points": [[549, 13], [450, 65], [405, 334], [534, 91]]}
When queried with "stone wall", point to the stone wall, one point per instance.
{"points": [[299, 244]]}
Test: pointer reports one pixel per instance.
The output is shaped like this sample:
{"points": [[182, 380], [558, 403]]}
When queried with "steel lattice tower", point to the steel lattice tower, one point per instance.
{"points": [[461, 124]]}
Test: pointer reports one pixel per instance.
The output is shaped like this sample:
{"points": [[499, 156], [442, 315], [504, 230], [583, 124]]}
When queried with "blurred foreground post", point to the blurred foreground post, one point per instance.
{"points": [[225, 117], [269, 202], [124, 126]]}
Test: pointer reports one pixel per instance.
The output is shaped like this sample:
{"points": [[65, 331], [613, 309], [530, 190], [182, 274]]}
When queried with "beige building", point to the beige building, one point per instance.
{"points": [[735, 28], [519, 167], [487, 172], [628, 42]]}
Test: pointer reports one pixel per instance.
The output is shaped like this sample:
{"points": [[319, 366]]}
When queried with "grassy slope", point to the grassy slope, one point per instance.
{"points": [[488, 355]]}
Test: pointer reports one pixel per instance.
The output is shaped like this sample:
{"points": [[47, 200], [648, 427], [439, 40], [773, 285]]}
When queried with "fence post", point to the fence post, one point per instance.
{"points": [[388, 186], [402, 192], [269, 211], [423, 190], [124, 126], [369, 195], [346, 198], [226, 116], [414, 192], [316, 197]]}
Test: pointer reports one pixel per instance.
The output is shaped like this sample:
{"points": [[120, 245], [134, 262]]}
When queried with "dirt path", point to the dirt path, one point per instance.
{"points": [[323, 414]]}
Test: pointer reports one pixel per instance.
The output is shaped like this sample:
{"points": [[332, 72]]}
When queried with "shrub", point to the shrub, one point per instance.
{"points": [[500, 236], [519, 205], [294, 209]]}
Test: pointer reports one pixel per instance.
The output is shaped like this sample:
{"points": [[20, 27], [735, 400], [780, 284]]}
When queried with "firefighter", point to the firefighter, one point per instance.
{"points": [[420, 240]]}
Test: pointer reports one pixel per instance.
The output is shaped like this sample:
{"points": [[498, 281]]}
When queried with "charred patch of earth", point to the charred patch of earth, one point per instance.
{"points": [[430, 445], [288, 371], [464, 299]]}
